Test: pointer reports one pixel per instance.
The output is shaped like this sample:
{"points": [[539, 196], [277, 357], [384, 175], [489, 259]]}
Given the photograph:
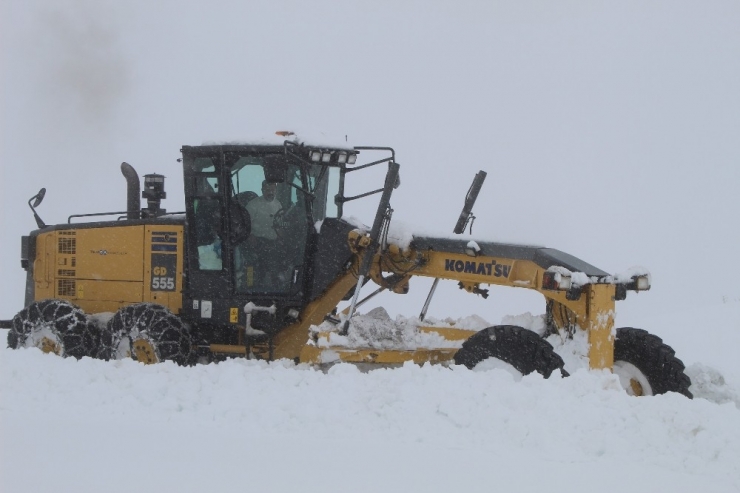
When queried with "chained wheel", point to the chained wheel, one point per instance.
{"points": [[54, 326], [149, 333]]}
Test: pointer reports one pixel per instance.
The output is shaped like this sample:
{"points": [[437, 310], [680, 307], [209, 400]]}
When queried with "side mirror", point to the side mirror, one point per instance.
{"points": [[38, 197], [36, 202]]}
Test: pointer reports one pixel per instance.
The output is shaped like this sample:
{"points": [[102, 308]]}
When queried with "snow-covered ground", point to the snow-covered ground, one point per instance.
{"points": [[94, 426], [608, 130]]}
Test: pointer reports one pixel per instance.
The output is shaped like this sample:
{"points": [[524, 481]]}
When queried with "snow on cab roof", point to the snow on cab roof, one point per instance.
{"points": [[308, 137]]}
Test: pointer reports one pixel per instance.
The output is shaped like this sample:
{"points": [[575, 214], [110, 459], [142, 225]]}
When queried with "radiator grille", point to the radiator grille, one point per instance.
{"points": [[66, 273], [66, 287], [68, 245]]}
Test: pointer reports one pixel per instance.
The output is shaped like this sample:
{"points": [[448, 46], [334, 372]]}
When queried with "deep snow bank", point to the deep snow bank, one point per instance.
{"points": [[252, 416]]}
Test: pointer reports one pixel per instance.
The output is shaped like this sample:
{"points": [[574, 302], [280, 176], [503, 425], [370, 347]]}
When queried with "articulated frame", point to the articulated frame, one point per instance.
{"points": [[592, 310]]}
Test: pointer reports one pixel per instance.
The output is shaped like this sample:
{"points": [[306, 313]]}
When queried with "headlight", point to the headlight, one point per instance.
{"points": [[642, 283]]}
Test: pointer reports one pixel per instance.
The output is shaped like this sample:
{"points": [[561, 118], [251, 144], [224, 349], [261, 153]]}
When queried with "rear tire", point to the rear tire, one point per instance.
{"points": [[54, 326], [517, 346], [646, 366], [148, 333], [12, 338]]}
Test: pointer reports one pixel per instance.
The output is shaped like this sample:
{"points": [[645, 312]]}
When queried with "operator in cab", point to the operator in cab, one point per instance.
{"points": [[262, 211], [263, 240]]}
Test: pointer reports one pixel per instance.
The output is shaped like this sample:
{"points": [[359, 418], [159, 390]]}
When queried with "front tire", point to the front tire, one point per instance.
{"points": [[54, 326], [148, 333], [647, 366], [521, 348]]}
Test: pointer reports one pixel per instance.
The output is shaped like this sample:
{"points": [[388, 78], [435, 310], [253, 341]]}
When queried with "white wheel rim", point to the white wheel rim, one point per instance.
{"points": [[633, 380], [497, 364]]}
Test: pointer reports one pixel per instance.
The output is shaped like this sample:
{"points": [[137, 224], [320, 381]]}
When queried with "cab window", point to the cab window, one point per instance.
{"points": [[207, 207]]}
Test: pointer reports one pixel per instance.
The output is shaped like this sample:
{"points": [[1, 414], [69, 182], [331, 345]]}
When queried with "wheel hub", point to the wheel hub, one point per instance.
{"points": [[633, 380], [48, 345], [144, 352]]}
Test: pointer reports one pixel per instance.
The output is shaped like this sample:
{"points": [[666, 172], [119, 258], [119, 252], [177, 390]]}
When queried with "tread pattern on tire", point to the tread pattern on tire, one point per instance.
{"points": [[521, 348], [166, 332], [656, 360], [79, 337]]}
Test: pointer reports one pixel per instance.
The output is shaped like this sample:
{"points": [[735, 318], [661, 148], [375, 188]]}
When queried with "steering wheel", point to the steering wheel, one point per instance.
{"points": [[285, 220], [279, 222]]}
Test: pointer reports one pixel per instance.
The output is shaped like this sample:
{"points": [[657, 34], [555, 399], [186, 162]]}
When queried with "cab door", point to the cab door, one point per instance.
{"points": [[270, 260]]}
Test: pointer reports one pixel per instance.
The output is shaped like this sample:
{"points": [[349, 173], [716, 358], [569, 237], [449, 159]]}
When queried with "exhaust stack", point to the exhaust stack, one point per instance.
{"points": [[133, 189]]}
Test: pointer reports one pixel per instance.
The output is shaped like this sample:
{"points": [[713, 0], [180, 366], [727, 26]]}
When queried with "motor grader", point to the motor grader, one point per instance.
{"points": [[202, 284]]}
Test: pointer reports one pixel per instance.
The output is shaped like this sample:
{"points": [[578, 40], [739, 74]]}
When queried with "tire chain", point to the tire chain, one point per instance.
{"points": [[166, 333], [79, 337]]}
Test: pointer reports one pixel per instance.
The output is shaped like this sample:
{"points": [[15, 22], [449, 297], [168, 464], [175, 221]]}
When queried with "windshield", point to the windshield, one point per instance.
{"points": [[254, 214]]}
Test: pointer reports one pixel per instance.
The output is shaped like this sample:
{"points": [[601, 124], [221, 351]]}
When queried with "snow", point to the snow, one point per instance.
{"points": [[635, 271], [472, 245], [91, 425], [309, 137], [376, 330], [582, 279], [401, 233], [609, 131]]}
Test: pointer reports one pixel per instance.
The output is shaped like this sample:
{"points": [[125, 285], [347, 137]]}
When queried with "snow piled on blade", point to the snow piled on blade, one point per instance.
{"points": [[376, 330]]}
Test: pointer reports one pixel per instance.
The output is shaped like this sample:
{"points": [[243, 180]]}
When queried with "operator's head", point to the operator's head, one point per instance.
{"points": [[269, 190]]}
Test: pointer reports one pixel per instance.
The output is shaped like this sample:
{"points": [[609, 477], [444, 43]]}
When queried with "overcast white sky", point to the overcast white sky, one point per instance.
{"points": [[609, 130]]}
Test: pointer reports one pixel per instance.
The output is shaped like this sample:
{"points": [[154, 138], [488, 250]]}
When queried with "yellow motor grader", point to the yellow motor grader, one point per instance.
{"points": [[262, 255]]}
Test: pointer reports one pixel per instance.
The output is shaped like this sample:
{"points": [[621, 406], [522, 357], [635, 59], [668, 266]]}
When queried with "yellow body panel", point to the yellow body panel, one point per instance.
{"points": [[163, 260], [110, 254], [43, 266], [600, 325], [290, 341], [106, 296], [101, 269]]}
